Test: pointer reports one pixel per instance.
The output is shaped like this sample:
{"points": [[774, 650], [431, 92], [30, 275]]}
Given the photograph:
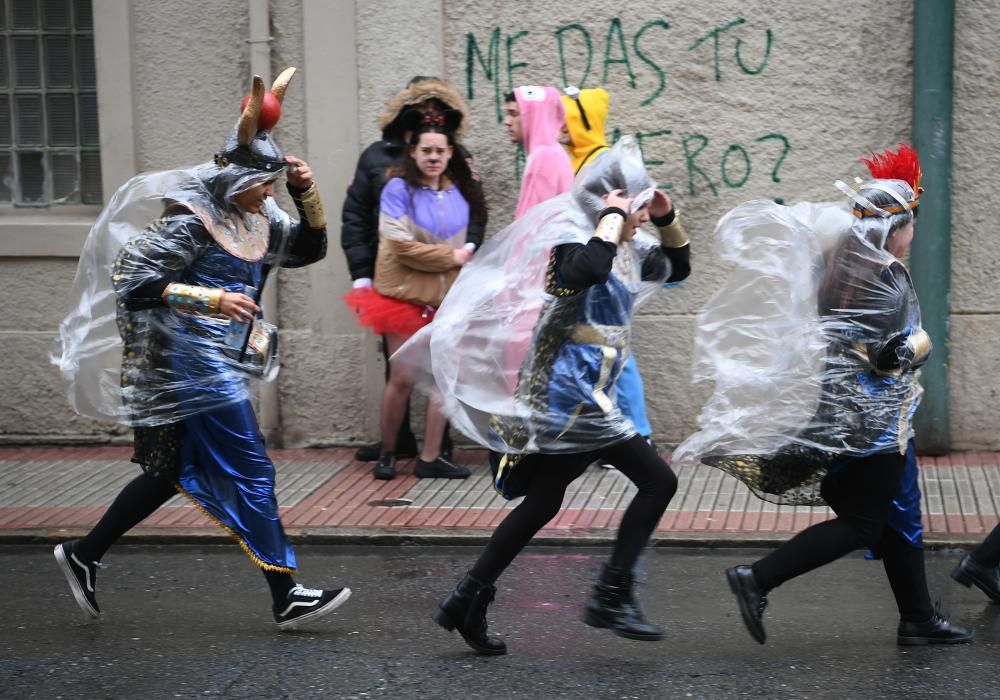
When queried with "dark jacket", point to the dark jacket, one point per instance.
{"points": [[359, 217]]}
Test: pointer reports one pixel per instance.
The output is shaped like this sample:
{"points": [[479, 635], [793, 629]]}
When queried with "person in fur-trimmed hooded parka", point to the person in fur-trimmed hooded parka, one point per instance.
{"points": [[359, 218]]}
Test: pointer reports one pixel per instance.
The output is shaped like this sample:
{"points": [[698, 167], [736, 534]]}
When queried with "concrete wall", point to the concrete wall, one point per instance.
{"points": [[733, 100], [975, 296]]}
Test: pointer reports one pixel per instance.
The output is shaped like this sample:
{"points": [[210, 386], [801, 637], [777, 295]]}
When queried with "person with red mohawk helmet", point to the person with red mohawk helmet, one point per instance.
{"points": [[819, 319], [166, 338]]}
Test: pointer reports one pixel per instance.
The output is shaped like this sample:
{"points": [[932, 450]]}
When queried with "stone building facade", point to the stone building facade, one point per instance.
{"points": [[732, 100]]}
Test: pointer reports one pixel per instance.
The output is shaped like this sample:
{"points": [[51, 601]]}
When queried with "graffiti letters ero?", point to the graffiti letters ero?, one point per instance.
{"points": [[710, 168]]}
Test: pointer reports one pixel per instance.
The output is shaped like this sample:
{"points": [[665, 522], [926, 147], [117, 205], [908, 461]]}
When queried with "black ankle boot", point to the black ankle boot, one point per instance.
{"points": [[465, 610], [936, 630], [614, 606], [752, 599], [386, 467], [986, 578]]}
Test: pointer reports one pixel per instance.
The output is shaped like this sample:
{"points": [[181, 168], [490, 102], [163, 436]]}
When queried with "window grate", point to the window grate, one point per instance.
{"points": [[49, 148]]}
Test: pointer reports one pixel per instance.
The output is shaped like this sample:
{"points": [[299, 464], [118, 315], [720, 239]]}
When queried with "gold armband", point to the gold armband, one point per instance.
{"points": [[609, 228], [203, 300], [673, 234], [313, 207], [919, 343]]}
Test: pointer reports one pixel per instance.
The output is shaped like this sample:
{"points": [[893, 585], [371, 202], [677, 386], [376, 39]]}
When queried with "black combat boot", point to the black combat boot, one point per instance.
{"points": [[752, 599], [936, 630], [986, 578], [614, 606], [465, 610]]}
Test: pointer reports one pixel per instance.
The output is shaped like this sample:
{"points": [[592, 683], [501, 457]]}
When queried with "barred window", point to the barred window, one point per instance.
{"points": [[49, 150]]}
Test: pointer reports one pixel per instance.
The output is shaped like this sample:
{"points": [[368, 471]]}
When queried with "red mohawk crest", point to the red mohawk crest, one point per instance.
{"points": [[899, 165]]}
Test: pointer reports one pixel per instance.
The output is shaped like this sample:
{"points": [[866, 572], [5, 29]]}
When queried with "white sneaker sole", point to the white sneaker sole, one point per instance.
{"points": [[74, 584], [297, 622]]}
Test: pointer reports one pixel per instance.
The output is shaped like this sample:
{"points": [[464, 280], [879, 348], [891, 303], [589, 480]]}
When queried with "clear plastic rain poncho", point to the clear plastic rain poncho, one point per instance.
{"points": [[126, 357], [520, 365], [812, 343]]}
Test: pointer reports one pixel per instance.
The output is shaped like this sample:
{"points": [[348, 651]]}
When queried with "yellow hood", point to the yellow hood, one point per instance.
{"points": [[586, 143]]}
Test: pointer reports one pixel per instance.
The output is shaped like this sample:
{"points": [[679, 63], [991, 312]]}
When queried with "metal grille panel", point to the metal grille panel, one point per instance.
{"points": [[49, 136]]}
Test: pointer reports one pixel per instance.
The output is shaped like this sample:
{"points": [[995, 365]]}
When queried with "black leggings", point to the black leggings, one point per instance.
{"points": [[136, 502], [553, 473], [988, 553], [861, 494]]}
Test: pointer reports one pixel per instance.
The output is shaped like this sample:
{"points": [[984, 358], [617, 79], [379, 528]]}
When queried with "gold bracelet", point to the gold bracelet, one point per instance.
{"points": [[919, 343], [609, 228], [313, 207], [186, 297], [673, 234]]}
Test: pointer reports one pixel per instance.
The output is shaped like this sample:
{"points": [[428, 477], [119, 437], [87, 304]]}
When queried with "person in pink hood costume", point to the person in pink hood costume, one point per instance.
{"points": [[534, 117]]}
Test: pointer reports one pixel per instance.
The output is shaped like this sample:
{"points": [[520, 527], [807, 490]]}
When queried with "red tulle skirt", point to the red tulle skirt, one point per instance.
{"points": [[387, 315]]}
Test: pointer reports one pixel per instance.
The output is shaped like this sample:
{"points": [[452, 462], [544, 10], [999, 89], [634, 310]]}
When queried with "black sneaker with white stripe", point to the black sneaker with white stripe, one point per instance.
{"points": [[81, 576], [307, 604]]}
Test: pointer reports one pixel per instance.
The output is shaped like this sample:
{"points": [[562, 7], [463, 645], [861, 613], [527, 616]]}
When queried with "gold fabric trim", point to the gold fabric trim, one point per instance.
{"points": [[903, 427], [313, 207], [247, 236], [596, 334], [609, 228], [862, 212], [920, 343], [673, 234], [202, 300], [570, 421], [607, 364], [243, 545]]}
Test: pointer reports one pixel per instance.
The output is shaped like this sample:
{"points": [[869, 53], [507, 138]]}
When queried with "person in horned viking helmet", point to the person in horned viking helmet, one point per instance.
{"points": [[165, 338]]}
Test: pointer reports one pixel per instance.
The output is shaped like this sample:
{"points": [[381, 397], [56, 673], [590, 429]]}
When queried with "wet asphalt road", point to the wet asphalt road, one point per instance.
{"points": [[186, 622]]}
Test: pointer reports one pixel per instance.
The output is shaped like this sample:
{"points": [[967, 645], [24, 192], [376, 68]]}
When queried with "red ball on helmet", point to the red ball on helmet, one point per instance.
{"points": [[270, 111]]}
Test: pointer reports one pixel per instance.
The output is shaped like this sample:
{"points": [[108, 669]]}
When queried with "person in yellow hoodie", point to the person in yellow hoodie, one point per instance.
{"points": [[586, 116], [584, 139]]}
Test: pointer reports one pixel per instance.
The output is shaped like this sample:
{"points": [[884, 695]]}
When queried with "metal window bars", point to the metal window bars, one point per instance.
{"points": [[49, 147]]}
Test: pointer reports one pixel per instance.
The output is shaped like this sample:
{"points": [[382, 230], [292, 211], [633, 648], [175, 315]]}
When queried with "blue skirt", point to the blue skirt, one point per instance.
{"points": [[225, 470]]}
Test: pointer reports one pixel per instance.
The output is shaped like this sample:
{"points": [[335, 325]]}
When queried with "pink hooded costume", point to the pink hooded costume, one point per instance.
{"points": [[548, 171]]}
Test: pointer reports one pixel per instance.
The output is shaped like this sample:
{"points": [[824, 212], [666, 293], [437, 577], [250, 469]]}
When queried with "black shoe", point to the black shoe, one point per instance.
{"points": [[440, 468], [407, 449], [752, 599], [386, 467], [81, 575], [406, 446], [936, 630], [613, 606], [447, 447], [307, 604], [368, 453], [465, 610], [986, 578]]}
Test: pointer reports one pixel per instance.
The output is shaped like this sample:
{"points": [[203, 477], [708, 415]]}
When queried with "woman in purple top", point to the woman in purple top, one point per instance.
{"points": [[425, 211]]}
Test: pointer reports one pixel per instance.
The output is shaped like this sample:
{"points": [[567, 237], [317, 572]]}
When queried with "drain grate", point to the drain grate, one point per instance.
{"points": [[391, 502]]}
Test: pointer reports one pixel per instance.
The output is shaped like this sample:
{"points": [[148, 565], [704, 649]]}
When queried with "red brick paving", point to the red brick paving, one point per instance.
{"points": [[344, 499]]}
